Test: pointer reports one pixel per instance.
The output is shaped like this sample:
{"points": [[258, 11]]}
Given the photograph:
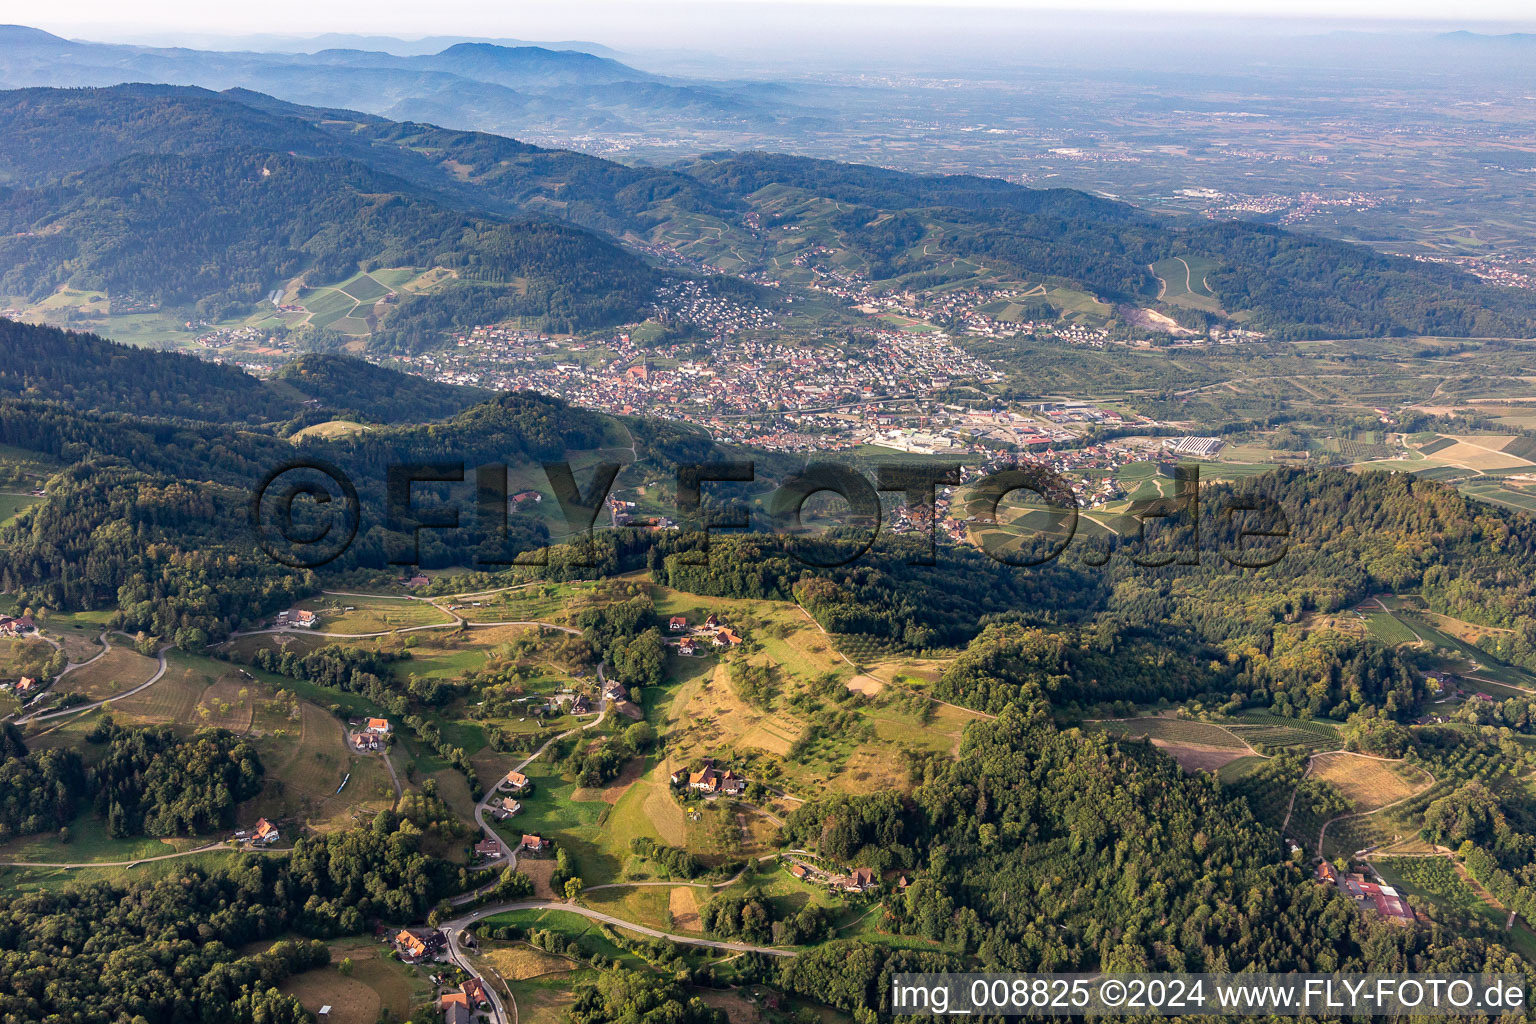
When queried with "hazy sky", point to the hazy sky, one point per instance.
{"points": [[642, 22]]}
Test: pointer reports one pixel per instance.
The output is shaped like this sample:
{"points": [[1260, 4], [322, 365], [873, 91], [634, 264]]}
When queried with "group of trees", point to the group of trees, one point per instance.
{"points": [[624, 634], [39, 790], [146, 781], [166, 949], [150, 781], [753, 917]]}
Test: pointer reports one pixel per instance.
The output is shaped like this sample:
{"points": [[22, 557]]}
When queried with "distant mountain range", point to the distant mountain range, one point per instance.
{"points": [[467, 83], [210, 202]]}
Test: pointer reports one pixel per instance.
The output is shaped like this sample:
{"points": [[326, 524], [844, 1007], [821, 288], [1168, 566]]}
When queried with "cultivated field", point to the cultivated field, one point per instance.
{"points": [[1367, 783]]}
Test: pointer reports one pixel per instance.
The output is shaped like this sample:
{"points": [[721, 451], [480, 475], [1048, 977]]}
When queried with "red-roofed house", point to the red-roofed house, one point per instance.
{"points": [[474, 988]]}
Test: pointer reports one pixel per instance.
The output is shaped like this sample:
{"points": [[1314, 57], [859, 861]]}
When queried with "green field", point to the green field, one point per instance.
{"points": [[1266, 729], [1387, 628], [1184, 282], [12, 504]]}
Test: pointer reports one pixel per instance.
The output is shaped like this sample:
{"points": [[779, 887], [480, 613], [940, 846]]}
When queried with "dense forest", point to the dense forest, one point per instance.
{"points": [[218, 232], [166, 950], [152, 782], [147, 781], [292, 171]]}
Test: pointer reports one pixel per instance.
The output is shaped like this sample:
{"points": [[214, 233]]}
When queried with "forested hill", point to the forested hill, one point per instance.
{"points": [[220, 231], [233, 193], [354, 389], [93, 374], [1294, 286]]}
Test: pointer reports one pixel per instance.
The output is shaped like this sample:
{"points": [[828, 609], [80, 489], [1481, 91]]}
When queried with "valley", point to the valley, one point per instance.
{"points": [[454, 577]]}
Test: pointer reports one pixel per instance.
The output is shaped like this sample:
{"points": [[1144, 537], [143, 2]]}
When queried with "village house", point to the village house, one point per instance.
{"points": [[25, 685], [17, 626], [685, 646], [378, 726], [366, 740], [419, 943], [724, 637], [712, 622], [710, 779], [515, 782], [456, 1013], [505, 808], [1387, 901], [474, 988], [470, 996], [305, 619], [861, 880], [677, 623], [265, 833], [489, 848], [534, 844], [580, 705]]}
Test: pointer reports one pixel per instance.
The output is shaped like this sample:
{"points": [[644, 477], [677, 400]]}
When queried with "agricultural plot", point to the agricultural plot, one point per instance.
{"points": [[1501, 494], [377, 988], [12, 505], [586, 933], [371, 614], [1264, 729], [118, 670], [1184, 282], [1479, 453], [352, 300], [1347, 837], [1388, 628], [306, 760], [198, 693], [1175, 730], [1367, 783], [514, 963], [1483, 663], [1435, 880], [1197, 746], [331, 430]]}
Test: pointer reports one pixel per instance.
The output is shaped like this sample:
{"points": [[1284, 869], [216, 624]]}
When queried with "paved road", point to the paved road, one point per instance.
{"points": [[77, 709], [511, 855], [498, 1011], [210, 848]]}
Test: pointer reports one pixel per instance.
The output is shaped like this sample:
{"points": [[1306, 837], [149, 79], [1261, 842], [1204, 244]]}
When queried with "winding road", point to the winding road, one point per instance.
{"points": [[498, 1012], [43, 716]]}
